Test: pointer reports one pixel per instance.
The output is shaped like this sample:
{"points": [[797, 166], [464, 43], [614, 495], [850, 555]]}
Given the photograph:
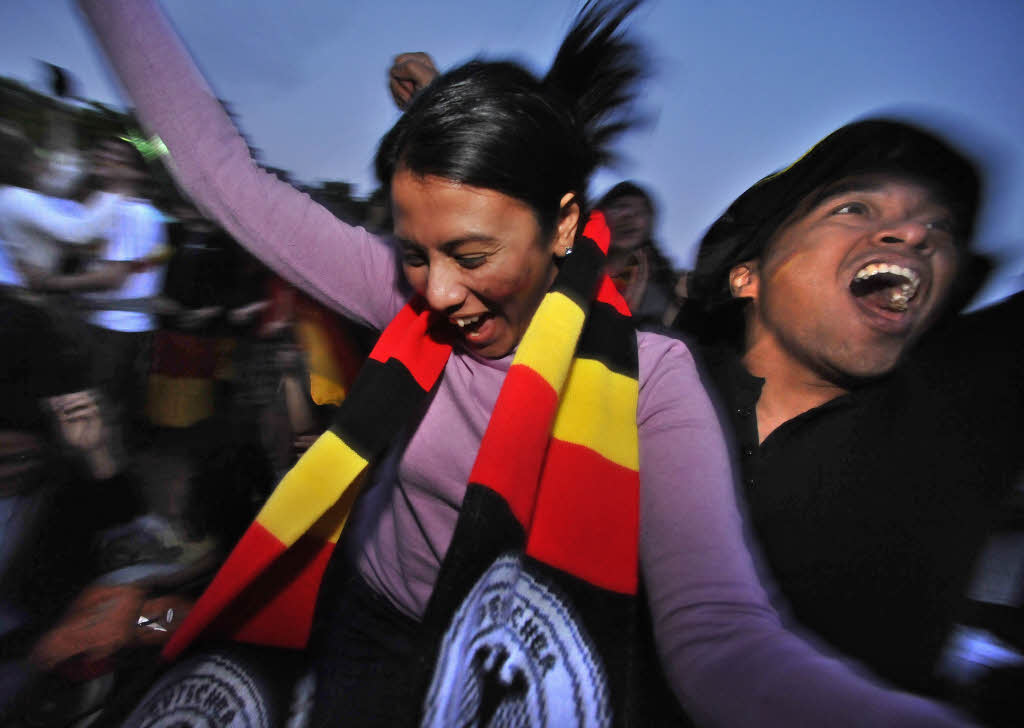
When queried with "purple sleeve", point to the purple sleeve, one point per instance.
{"points": [[346, 268], [728, 657]]}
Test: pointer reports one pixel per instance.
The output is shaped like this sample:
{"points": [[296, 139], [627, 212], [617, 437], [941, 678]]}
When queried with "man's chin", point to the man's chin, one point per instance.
{"points": [[854, 374]]}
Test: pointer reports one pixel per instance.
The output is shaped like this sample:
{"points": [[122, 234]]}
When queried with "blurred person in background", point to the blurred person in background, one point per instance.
{"points": [[60, 479], [34, 225], [130, 267], [640, 271], [88, 573], [120, 284]]}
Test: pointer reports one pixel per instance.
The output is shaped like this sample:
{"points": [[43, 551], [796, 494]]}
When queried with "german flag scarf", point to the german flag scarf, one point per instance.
{"points": [[532, 620]]}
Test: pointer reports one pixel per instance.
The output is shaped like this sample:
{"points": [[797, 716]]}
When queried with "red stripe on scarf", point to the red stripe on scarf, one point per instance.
{"points": [[586, 519], [597, 230], [286, 619], [608, 293], [515, 476], [255, 551], [408, 340]]}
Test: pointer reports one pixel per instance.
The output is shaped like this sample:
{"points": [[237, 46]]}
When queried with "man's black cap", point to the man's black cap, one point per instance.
{"points": [[863, 147]]}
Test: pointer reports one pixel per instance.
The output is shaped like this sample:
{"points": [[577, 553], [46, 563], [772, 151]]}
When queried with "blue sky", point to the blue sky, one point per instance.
{"points": [[741, 88]]}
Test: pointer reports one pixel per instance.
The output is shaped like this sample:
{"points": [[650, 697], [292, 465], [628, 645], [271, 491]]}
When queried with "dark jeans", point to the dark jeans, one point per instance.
{"points": [[364, 655]]}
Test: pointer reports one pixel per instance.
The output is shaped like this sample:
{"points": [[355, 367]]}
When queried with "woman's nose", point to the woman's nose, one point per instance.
{"points": [[445, 291]]}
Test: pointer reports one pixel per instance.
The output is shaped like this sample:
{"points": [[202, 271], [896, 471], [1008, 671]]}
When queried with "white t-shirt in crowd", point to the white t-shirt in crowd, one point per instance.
{"points": [[33, 226], [137, 232]]}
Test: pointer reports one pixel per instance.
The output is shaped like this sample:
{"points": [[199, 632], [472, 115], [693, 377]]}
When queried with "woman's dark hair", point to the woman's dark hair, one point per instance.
{"points": [[495, 125]]}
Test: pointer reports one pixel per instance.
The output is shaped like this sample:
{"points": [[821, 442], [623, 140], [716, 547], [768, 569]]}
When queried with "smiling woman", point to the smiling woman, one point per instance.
{"points": [[537, 458], [477, 256]]}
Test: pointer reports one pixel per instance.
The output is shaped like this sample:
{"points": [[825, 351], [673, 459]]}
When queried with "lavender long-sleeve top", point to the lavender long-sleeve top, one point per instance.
{"points": [[726, 653]]}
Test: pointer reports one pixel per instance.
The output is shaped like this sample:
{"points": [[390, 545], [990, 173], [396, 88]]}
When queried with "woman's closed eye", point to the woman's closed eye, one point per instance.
{"points": [[471, 261], [413, 257]]}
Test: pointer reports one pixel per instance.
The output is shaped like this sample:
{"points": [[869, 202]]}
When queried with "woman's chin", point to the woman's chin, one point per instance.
{"points": [[491, 339]]}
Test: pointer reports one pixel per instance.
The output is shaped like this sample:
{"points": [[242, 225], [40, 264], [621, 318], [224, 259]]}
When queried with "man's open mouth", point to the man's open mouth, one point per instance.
{"points": [[886, 285]]}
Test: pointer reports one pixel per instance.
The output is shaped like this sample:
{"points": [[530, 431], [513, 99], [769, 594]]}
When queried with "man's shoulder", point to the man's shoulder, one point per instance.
{"points": [[1004, 316], [993, 332]]}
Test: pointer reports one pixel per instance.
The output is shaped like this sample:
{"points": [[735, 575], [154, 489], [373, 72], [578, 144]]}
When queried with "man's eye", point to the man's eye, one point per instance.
{"points": [[851, 208], [471, 261], [944, 225]]}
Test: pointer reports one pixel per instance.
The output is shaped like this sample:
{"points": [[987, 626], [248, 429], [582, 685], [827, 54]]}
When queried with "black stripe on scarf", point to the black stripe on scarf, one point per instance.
{"points": [[603, 337], [383, 398]]}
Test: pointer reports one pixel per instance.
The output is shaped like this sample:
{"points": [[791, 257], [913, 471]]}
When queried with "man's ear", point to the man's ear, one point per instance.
{"points": [[744, 281], [567, 225]]}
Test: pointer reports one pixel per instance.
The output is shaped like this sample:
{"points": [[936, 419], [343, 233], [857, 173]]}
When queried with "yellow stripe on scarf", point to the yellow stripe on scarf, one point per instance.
{"points": [[549, 342], [312, 486], [598, 411]]}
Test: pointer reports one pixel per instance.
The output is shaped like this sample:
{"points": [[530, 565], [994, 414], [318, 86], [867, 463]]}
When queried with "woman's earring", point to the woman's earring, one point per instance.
{"points": [[568, 251]]}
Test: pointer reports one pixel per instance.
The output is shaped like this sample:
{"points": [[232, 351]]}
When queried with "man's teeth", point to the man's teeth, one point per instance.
{"points": [[464, 322], [899, 296], [873, 269]]}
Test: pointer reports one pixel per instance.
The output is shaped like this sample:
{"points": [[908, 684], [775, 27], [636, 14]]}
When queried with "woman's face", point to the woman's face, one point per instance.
{"points": [[477, 256]]}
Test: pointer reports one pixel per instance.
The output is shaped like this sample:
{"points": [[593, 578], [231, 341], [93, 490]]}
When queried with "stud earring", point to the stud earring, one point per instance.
{"points": [[568, 251]]}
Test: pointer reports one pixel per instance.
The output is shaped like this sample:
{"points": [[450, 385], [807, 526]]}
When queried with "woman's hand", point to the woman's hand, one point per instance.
{"points": [[409, 74]]}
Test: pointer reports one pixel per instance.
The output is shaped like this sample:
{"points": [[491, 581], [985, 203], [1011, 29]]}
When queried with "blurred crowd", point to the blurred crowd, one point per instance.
{"points": [[158, 381]]}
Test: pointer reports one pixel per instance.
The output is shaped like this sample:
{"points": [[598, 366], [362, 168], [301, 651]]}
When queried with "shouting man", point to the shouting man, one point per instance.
{"points": [[876, 433]]}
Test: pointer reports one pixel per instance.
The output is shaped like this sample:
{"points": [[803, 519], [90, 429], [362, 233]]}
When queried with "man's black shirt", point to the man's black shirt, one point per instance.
{"points": [[871, 509]]}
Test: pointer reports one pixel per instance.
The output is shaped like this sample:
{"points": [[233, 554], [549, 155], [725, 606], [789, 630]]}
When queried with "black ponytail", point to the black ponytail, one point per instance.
{"points": [[495, 125], [597, 70]]}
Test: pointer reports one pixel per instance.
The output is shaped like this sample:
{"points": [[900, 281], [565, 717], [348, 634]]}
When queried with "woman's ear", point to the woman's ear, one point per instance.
{"points": [[744, 281], [569, 214]]}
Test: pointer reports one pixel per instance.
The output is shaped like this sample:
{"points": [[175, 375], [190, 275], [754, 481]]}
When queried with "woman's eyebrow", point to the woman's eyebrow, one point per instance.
{"points": [[451, 245]]}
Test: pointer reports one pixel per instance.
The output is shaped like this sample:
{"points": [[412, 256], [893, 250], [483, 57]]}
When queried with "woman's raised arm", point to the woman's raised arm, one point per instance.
{"points": [[345, 267]]}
